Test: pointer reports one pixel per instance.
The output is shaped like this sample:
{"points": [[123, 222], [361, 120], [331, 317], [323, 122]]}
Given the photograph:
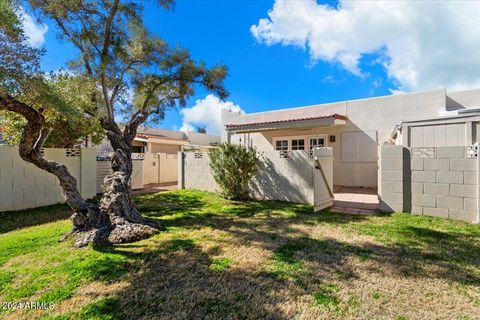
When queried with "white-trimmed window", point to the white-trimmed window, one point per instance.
{"points": [[298, 144], [307, 143], [318, 142], [281, 145]]}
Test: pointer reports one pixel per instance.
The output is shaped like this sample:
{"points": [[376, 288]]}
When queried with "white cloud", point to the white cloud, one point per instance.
{"points": [[34, 32], [207, 112], [422, 44]]}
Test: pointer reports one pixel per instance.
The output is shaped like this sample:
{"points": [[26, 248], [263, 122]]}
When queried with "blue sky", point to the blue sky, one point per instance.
{"points": [[292, 60]]}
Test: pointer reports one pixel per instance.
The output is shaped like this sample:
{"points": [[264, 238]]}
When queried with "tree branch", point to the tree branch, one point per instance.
{"points": [[31, 141], [120, 80], [85, 59], [104, 57]]}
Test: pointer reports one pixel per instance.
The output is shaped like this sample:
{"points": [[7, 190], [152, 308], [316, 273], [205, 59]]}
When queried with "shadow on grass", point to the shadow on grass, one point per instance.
{"points": [[452, 255], [177, 282], [164, 204], [250, 208], [13, 220], [174, 280]]}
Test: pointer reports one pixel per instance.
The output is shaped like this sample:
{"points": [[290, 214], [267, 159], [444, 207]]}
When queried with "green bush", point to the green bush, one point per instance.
{"points": [[232, 167]]}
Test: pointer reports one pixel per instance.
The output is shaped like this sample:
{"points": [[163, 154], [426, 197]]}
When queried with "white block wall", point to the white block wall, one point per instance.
{"points": [[104, 168], [285, 179], [433, 181], [24, 186], [196, 172], [278, 178]]}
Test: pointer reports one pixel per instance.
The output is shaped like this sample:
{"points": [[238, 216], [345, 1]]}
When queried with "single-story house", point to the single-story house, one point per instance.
{"points": [[156, 140], [156, 154], [355, 129]]}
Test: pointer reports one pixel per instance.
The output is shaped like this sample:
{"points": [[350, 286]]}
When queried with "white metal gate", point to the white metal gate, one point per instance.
{"points": [[323, 178], [160, 168]]}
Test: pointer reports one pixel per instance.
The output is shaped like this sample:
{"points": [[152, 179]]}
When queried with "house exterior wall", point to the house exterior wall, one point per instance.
{"points": [[365, 115], [163, 148], [439, 181], [466, 99], [460, 129], [24, 186]]}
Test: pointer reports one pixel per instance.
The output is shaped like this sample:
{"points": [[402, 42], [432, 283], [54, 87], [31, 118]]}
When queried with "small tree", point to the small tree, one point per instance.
{"points": [[232, 167]]}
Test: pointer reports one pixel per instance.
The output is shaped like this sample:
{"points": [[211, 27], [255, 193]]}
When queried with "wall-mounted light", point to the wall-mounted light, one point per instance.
{"points": [[332, 138]]}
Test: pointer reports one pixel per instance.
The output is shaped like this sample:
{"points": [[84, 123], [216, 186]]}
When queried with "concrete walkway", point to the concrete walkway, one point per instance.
{"points": [[157, 187], [355, 200]]}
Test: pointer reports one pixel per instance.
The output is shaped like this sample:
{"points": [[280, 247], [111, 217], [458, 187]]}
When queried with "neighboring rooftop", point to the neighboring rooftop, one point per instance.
{"points": [[194, 138]]}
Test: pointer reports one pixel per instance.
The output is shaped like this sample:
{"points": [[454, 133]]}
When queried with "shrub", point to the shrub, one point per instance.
{"points": [[232, 167]]}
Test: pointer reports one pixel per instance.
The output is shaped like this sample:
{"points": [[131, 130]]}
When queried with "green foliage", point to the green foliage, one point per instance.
{"points": [[72, 107], [52, 270], [220, 264], [140, 75], [200, 226], [376, 295], [284, 267], [19, 63], [102, 309], [232, 167], [325, 296]]}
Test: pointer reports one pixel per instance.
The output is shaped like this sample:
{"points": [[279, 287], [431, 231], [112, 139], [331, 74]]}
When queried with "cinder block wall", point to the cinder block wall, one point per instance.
{"points": [[441, 181], [391, 175], [285, 178], [24, 186], [194, 172], [104, 168]]}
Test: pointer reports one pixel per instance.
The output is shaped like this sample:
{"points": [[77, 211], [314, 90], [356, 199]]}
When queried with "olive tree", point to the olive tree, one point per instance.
{"points": [[72, 112], [137, 74]]}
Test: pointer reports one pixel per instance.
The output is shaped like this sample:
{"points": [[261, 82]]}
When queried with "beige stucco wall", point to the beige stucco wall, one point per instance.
{"points": [[160, 168], [163, 148], [24, 186], [346, 173], [375, 114]]}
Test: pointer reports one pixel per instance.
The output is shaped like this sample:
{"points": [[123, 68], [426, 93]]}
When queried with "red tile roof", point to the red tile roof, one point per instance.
{"points": [[158, 136], [332, 116]]}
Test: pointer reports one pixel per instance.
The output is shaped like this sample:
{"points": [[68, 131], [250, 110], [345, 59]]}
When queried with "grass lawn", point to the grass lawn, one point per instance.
{"points": [[218, 259]]}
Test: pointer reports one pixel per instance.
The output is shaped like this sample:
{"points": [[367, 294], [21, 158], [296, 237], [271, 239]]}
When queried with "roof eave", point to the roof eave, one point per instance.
{"points": [[325, 122]]}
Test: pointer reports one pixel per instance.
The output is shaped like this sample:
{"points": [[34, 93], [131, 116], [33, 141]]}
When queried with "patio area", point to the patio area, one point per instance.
{"points": [[355, 200], [156, 187]]}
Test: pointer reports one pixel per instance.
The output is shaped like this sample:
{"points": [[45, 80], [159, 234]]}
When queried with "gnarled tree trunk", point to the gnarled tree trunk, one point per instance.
{"points": [[127, 223]]}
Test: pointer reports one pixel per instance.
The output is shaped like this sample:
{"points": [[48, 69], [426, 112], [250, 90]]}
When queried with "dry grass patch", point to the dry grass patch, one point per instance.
{"points": [[253, 260]]}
